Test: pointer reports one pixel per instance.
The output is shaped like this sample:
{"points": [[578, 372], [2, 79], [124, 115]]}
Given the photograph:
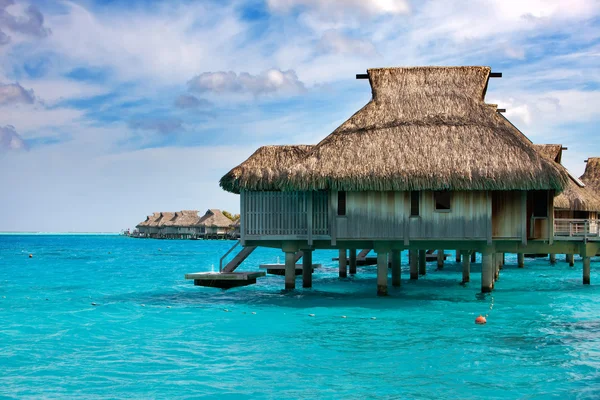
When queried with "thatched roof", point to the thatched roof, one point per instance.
{"points": [[162, 219], [214, 218], [264, 167], [550, 151], [576, 195], [426, 128], [149, 220], [183, 219], [591, 176]]}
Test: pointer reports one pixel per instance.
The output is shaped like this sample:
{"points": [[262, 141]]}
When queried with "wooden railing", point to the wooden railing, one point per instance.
{"points": [[576, 228]]}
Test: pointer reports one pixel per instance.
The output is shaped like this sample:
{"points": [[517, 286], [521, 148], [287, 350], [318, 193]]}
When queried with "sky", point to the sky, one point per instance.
{"points": [[111, 110]]}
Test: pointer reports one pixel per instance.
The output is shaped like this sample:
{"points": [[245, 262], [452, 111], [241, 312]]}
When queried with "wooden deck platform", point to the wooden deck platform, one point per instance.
{"points": [[224, 280], [373, 260], [279, 269]]}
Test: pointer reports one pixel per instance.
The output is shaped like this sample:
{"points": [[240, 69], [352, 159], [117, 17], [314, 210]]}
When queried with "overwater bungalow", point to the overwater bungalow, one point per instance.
{"points": [[591, 176], [426, 164], [213, 225], [183, 225], [575, 208], [144, 227], [234, 230]]}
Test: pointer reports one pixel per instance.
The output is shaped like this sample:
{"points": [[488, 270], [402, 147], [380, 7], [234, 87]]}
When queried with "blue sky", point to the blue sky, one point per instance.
{"points": [[110, 110]]}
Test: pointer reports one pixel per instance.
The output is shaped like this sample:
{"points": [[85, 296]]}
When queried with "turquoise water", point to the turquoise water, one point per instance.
{"points": [[154, 335]]}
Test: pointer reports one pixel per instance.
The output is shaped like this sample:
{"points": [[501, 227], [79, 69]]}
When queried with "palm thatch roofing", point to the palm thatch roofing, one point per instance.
{"points": [[576, 195], [163, 219], [591, 176], [149, 220], [214, 218], [183, 219], [551, 151], [426, 128]]}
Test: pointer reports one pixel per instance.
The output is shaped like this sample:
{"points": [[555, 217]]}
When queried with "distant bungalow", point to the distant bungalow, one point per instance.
{"points": [[186, 224], [426, 164]]}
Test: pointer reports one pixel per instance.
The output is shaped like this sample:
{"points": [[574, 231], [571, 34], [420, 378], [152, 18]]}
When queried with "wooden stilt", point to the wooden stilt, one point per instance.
{"points": [[422, 262], [382, 273], [343, 264], [487, 272], [552, 258], [570, 259], [586, 270], [457, 256], [290, 270], [396, 271], [413, 259], [352, 261], [440, 259], [521, 260], [473, 257], [466, 264], [307, 269]]}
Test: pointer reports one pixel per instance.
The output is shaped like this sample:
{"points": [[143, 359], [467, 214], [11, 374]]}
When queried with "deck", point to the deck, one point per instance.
{"points": [[576, 229], [224, 280]]}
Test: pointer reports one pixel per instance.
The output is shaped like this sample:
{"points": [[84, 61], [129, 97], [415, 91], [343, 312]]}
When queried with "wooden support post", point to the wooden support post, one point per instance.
{"points": [[440, 259], [586, 270], [290, 270], [473, 257], [413, 259], [487, 272], [497, 261], [352, 261], [422, 262], [570, 258], [466, 264], [502, 260], [552, 258], [457, 256], [521, 260], [396, 271], [343, 264], [307, 268], [382, 273]]}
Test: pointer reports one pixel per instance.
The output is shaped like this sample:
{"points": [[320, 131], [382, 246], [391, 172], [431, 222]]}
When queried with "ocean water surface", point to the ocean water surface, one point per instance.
{"points": [[151, 334]]}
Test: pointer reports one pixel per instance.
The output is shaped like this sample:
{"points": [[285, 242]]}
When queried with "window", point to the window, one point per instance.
{"points": [[540, 204], [341, 209], [414, 204], [442, 200]]}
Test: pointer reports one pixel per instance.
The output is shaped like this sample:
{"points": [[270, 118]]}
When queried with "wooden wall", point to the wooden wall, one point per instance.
{"points": [[506, 214], [476, 215], [386, 215], [285, 214]]}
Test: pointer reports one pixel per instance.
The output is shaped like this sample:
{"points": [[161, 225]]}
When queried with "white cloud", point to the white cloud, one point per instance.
{"points": [[334, 41], [337, 7], [267, 82], [14, 93], [187, 101], [10, 139]]}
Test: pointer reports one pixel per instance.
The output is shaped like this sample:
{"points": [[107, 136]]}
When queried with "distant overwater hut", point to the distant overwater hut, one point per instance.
{"points": [[591, 176], [426, 164], [234, 230], [576, 208], [161, 222], [183, 225], [143, 229], [213, 225]]}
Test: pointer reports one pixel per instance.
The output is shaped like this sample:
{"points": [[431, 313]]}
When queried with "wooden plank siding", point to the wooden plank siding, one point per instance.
{"points": [[284, 214], [370, 215]]}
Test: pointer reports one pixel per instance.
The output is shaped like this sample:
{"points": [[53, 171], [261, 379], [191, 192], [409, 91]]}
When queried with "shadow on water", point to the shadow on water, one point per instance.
{"points": [[352, 294]]}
